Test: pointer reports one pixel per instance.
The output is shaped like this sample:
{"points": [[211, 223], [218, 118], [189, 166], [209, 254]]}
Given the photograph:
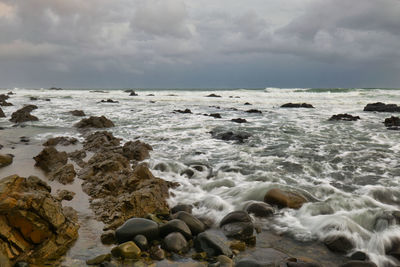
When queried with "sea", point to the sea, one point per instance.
{"points": [[349, 170]]}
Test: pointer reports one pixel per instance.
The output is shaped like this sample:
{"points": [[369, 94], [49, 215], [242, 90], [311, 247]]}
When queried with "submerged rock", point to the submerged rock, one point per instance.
{"points": [[240, 137], [24, 114], [382, 107], [186, 111], [213, 95], [297, 105], [239, 120], [95, 122], [344, 117], [109, 101], [254, 111], [284, 198], [77, 113]]}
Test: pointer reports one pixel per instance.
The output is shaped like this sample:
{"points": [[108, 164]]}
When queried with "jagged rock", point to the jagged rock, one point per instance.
{"points": [[392, 123], [24, 114], [2, 115], [5, 160], [259, 209], [49, 159], [339, 243], [284, 198], [194, 224], [136, 150], [33, 226], [382, 107], [101, 141], [127, 250], [186, 111], [344, 117], [137, 226], [77, 113], [213, 95], [297, 105], [95, 122], [64, 195], [4, 97], [182, 207], [65, 174], [61, 140], [240, 137], [212, 244], [77, 156], [254, 111], [175, 225], [239, 120], [175, 242]]}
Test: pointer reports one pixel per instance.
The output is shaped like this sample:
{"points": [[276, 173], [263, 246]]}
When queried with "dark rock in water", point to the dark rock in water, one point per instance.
{"points": [[65, 195], [141, 242], [61, 140], [2, 115], [339, 243], [254, 111], [136, 150], [382, 107], [359, 264], [32, 98], [95, 122], [186, 111], [393, 248], [77, 113], [238, 230], [212, 244], [247, 104], [284, 198], [194, 224], [188, 172], [213, 95], [134, 227], [240, 137], [235, 216], [215, 115], [127, 250], [108, 237], [161, 167], [359, 256], [99, 259], [239, 120], [23, 114], [50, 159], [392, 123], [260, 209], [24, 139], [55, 88], [175, 242], [4, 97], [297, 105], [5, 160], [175, 225], [150, 95], [4, 103], [109, 101], [133, 94], [344, 117], [182, 207]]}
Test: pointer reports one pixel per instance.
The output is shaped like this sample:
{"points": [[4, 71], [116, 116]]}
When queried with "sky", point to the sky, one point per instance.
{"points": [[199, 43]]}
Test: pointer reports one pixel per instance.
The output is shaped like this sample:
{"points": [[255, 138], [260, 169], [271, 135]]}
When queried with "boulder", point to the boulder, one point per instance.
{"points": [[49, 159], [284, 198], [213, 95], [101, 141], [134, 227], [175, 225], [77, 113], [186, 111], [215, 115], [95, 122], [127, 250], [238, 230], [235, 216], [5, 160], [33, 225], [297, 105], [382, 107], [194, 224], [24, 114], [359, 256], [239, 120], [344, 117], [136, 150], [64, 174], [61, 140], [212, 244], [141, 242], [259, 209], [240, 137], [392, 122], [254, 111], [339, 243], [2, 115], [182, 207], [133, 93], [175, 242]]}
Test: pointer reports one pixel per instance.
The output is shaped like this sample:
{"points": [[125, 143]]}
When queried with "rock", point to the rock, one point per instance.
{"points": [[95, 122], [212, 245], [188, 172], [127, 250], [215, 115], [61, 140], [32, 98], [392, 122], [339, 243], [237, 245], [259, 209], [359, 256], [134, 227], [33, 225], [141, 242], [224, 261], [4, 103], [23, 114], [302, 264], [284, 198], [101, 141], [250, 263], [63, 194], [136, 150], [359, 264], [297, 105], [186, 111], [21, 264], [99, 259], [55, 88], [108, 237], [182, 207], [2, 115], [24, 139], [213, 95], [382, 107], [238, 230], [49, 159], [175, 225], [194, 224], [240, 137], [109, 101], [5, 160], [239, 120], [344, 117], [77, 113], [133, 94], [157, 253], [254, 111], [247, 104], [107, 264], [4, 97], [175, 242]]}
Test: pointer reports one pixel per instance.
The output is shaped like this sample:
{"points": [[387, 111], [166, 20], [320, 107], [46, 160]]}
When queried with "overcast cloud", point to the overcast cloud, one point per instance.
{"points": [[199, 43]]}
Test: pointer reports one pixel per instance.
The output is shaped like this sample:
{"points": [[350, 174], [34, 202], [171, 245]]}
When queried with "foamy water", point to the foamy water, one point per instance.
{"points": [[350, 169]]}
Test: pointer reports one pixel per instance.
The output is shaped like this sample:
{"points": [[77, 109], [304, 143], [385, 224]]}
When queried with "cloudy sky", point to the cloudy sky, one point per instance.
{"points": [[199, 43]]}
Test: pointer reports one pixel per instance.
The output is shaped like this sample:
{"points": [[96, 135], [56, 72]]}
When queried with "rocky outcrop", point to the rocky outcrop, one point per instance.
{"points": [[109, 101], [61, 140], [5, 160], [344, 117], [24, 114], [213, 95], [101, 141], [186, 111], [297, 105], [256, 111], [339, 243], [239, 120], [49, 159], [33, 225], [3, 101], [284, 198], [2, 115], [382, 107], [77, 113], [95, 122], [240, 137], [136, 150], [392, 123]]}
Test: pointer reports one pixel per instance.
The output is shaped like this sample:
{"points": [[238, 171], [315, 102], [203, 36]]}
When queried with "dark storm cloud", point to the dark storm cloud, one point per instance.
{"points": [[176, 43]]}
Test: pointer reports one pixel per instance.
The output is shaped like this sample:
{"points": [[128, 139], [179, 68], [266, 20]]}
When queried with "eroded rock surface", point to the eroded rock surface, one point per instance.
{"points": [[95, 122], [24, 114]]}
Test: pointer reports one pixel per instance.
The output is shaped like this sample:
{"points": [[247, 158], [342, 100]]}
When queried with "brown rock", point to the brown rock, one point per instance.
{"points": [[101, 141], [65, 174], [339, 243], [49, 159], [136, 150], [65, 195], [95, 122], [61, 140], [284, 199], [24, 114], [5, 160], [78, 113]]}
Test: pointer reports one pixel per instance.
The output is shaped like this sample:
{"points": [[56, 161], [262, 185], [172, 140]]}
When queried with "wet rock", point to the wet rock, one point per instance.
{"points": [[186, 111], [5, 160], [297, 105], [382, 107], [107, 264], [101, 141], [134, 227], [99, 259], [133, 93], [49, 159], [237, 245], [32, 98], [215, 115], [194, 224], [392, 123], [63, 194], [108, 237], [254, 111], [141, 242], [182, 207], [259, 209], [359, 256], [238, 230], [4, 103], [344, 117], [213, 95], [2, 115], [4, 97], [239, 120], [339, 243], [235, 216], [77, 156], [33, 225], [64, 175], [24, 139], [162, 167], [212, 244], [250, 263], [61, 140], [359, 264], [247, 104], [284, 198], [157, 253], [176, 225], [77, 113], [175, 242], [240, 137], [21, 264], [55, 88], [188, 172], [24, 114], [136, 150], [109, 101], [224, 261], [127, 250], [95, 122]]}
